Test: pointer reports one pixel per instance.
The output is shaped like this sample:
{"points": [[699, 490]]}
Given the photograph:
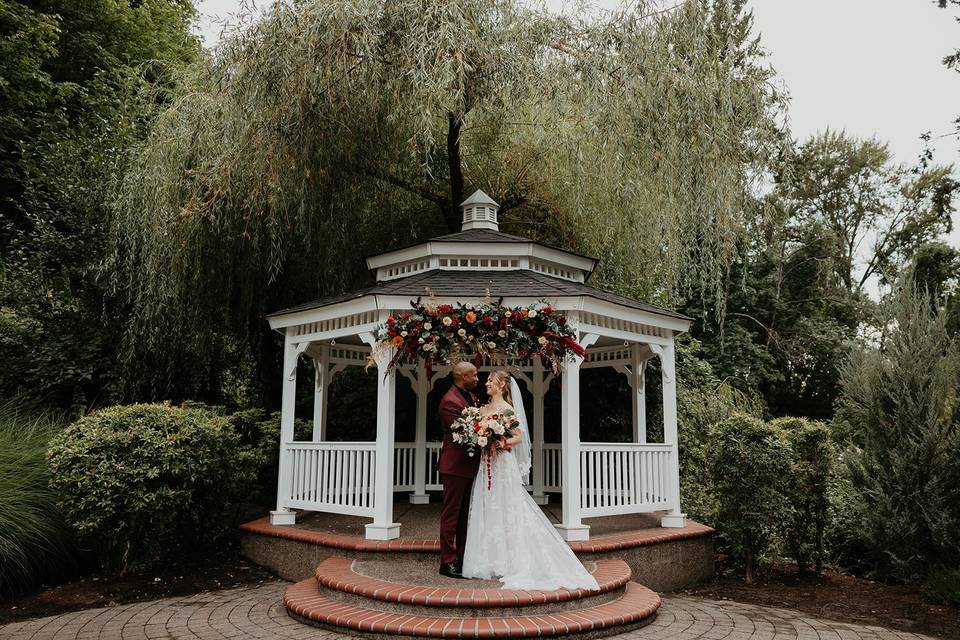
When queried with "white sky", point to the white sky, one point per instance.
{"points": [[871, 67]]}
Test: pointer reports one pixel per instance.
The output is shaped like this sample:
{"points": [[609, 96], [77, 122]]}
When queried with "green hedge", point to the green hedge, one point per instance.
{"points": [[750, 464], [139, 482], [806, 489]]}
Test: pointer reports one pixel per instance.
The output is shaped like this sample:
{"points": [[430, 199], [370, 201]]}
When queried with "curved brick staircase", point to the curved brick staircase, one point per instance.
{"points": [[342, 595]]}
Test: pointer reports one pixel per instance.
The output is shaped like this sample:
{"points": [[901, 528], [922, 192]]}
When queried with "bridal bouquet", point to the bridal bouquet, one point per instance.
{"points": [[477, 431]]}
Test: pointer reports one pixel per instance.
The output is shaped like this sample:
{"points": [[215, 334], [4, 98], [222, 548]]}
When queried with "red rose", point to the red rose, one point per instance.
{"points": [[390, 320], [487, 320], [547, 309], [561, 321]]}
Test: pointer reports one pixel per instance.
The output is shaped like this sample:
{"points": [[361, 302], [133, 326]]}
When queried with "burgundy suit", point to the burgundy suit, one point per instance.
{"points": [[457, 471]]}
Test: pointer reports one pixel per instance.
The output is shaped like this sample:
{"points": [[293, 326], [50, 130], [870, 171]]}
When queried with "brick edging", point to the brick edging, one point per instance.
{"points": [[638, 603], [603, 544], [337, 573]]}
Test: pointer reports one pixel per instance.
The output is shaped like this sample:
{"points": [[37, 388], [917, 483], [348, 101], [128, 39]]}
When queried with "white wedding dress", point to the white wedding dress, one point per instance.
{"points": [[510, 538]]}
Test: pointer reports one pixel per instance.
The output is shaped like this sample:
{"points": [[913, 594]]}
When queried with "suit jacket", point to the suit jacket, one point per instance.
{"points": [[453, 458]]}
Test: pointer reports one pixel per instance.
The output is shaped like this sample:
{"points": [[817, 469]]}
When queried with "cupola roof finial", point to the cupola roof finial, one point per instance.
{"points": [[480, 212]]}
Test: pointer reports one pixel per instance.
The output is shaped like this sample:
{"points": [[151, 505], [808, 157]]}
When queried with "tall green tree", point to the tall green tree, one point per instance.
{"points": [[77, 84], [330, 130], [841, 213], [898, 408]]}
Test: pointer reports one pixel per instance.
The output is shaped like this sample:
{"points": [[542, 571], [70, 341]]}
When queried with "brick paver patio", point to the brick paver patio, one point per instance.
{"points": [[257, 612]]}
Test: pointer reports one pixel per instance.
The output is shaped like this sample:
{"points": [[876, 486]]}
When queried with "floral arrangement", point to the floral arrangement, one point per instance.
{"points": [[445, 333], [477, 431]]}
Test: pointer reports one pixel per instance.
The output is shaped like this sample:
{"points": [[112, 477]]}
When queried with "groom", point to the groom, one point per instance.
{"points": [[457, 471]]}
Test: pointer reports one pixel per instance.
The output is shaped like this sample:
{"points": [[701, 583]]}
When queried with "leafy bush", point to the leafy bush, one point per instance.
{"points": [[750, 462], [35, 541], [899, 405], [142, 481], [943, 586], [805, 488]]}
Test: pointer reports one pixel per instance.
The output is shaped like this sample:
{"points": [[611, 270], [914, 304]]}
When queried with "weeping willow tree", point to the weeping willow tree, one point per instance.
{"points": [[333, 129]]}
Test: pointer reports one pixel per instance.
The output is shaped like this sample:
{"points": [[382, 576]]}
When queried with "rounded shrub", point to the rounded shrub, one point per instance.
{"points": [[141, 481]]}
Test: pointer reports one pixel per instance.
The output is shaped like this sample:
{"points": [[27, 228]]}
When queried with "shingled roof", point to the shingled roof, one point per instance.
{"points": [[473, 284], [481, 235]]}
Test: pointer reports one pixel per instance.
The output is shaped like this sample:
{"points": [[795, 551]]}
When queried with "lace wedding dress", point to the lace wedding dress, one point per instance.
{"points": [[510, 538]]}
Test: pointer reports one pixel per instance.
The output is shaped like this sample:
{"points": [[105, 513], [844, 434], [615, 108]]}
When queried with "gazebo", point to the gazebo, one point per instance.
{"points": [[594, 478]]}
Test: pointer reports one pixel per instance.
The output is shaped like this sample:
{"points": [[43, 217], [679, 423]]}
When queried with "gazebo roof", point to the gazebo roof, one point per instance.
{"points": [[474, 284]]}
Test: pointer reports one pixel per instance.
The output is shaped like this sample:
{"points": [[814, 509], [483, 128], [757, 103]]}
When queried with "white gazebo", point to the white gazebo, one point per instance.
{"points": [[594, 478]]}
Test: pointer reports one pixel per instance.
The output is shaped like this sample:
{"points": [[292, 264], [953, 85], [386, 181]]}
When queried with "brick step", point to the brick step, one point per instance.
{"points": [[340, 581], [636, 607]]}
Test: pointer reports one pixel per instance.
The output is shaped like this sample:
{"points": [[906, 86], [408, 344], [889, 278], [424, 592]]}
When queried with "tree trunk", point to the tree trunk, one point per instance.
{"points": [[749, 576], [452, 214]]}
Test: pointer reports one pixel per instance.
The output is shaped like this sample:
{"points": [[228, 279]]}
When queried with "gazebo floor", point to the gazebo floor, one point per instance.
{"points": [[663, 558]]}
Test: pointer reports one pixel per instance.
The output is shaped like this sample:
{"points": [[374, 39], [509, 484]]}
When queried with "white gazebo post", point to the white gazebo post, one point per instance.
{"points": [[639, 401], [539, 391], [383, 527], [422, 389], [675, 518], [291, 353], [321, 393], [572, 527]]}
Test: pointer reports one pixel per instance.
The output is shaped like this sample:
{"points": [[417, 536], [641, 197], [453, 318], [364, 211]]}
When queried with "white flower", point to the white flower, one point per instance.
{"points": [[447, 321], [498, 428], [502, 333], [456, 437], [428, 346], [482, 441], [532, 313], [403, 333], [428, 326], [542, 340], [421, 341], [461, 332], [492, 345]]}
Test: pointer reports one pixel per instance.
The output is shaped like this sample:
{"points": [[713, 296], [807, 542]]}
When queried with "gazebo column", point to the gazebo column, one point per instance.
{"points": [[572, 527], [539, 392], [675, 518], [282, 515], [422, 389], [321, 393], [638, 402], [383, 527]]}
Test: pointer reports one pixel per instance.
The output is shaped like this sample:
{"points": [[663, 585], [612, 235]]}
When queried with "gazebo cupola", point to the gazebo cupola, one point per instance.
{"points": [[627, 474], [480, 246], [480, 212]]}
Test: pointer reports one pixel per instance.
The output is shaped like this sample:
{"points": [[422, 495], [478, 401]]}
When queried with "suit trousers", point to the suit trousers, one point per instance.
{"points": [[453, 517]]}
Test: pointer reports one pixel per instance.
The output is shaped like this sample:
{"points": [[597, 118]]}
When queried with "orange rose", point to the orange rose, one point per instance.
{"points": [[398, 341], [471, 317]]}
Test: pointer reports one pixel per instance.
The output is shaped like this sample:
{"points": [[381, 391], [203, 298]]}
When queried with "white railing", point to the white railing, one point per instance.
{"points": [[337, 477], [552, 467], [624, 478], [615, 478]]}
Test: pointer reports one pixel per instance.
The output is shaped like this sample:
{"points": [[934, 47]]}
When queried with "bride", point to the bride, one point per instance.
{"points": [[508, 536]]}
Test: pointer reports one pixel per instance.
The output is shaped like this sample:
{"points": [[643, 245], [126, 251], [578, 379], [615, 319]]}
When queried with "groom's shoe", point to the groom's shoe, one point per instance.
{"points": [[450, 570]]}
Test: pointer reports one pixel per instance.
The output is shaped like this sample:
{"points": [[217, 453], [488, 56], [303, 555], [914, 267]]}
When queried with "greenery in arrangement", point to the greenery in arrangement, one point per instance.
{"points": [[441, 333], [36, 543], [899, 406], [138, 482]]}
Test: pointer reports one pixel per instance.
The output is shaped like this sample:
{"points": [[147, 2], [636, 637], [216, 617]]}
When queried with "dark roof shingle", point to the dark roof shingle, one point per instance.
{"points": [[474, 284]]}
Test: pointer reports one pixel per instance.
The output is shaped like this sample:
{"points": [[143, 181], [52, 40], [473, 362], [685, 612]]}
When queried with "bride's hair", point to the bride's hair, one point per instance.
{"points": [[503, 376]]}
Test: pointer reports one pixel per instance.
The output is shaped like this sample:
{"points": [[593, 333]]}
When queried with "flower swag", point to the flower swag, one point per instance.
{"points": [[445, 334]]}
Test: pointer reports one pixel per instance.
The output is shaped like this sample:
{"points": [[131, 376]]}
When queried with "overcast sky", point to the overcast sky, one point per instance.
{"points": [[871, 67]]}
